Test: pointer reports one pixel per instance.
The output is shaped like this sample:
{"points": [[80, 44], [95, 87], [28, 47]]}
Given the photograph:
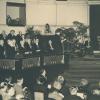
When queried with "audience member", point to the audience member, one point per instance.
{"points": [[55, 92], [19, 90]]}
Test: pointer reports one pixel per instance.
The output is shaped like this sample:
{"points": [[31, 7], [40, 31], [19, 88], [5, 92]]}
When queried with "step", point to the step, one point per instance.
{"points": [[86, 62], [84, 74], [93, 83], [83, 70], [84, 66]]}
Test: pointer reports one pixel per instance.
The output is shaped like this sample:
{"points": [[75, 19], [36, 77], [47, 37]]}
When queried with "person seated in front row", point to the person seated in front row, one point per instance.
{"points": [[19, 38], [82, 91], [11, 35], [84, 86], [27, 46], [19, 89], [21, 49], [11, 48], [95, 93], [36, 45], [41, 81], [55, 89], [2, 51], [41, 84], [3, 91], [7, 91]]}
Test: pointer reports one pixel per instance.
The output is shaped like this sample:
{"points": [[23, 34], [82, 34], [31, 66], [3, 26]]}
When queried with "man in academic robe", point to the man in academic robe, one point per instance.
{"points": [[2, 51], [11, 35], [19, 38], [36, 46], [10, 48], [21, 49], [27, 46]]}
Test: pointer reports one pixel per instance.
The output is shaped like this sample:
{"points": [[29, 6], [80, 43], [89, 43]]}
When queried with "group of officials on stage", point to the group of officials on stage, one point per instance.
{"points": [[12, 44]]}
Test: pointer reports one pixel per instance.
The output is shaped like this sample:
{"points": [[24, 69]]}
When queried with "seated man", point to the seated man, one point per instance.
{"points": [[11, 48], [21, 49], [56, 87], [82, 91], [27, 46], [2, 51], [41, 86], [11, 35], [84, 87], [36, 46], [19, 89], [95, 93], [19, 38]]}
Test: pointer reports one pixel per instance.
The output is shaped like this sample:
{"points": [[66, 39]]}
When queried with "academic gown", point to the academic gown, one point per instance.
{"points": [[10, 52], [2, 52]]}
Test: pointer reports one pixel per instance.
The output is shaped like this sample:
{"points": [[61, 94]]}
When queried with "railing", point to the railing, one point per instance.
{"points": [[31, 62], [53, 59], [7, 64]]}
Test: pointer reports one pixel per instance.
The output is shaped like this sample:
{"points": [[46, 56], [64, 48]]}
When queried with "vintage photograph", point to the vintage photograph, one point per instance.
{"points": [[49, 49]]}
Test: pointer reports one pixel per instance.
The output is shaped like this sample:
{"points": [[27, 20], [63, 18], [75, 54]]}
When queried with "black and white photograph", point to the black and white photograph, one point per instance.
{"points": [[49, 49]]}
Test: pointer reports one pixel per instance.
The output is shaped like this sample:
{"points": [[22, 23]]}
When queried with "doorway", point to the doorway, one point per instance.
{"points": [[95, 26]]}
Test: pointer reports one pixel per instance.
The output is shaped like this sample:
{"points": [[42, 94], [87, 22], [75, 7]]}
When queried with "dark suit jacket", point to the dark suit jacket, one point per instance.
{"points": [[2, 52], [35, 47], [27, 47], [10, 36], [21, 50], [18, 39], [10, 51]]}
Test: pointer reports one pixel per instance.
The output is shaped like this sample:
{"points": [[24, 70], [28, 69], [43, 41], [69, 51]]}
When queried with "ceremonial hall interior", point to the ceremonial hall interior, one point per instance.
{"points": [[49, 49]]}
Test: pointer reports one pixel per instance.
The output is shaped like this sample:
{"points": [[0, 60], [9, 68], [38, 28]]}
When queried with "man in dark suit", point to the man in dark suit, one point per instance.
{"points": [[21, 49], [11, 35], [10, 48], [27, 46], [2, 56], [36, 46], [19, 38]]}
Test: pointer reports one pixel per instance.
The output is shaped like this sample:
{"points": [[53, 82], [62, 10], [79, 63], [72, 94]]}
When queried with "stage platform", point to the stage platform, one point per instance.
{"points": [[91, 57]]}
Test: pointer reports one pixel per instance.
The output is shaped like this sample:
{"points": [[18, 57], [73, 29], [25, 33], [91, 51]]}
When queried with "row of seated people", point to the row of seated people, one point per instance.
{"points": [[58, 89], [12, 45]]}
